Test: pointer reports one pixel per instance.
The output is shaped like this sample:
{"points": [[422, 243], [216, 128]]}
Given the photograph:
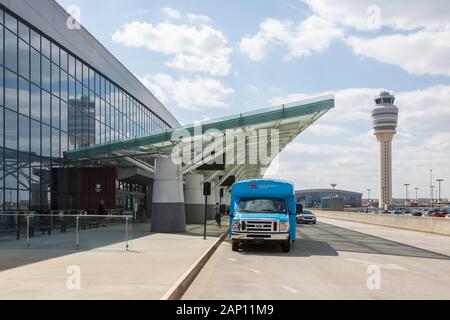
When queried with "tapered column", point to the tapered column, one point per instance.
{"points": [[194, 199], [168, 212]]}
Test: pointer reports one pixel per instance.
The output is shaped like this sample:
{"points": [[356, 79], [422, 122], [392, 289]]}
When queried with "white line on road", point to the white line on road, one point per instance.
{"points": [[364, 263], [255, 271], [232, 260], [291, 290]]}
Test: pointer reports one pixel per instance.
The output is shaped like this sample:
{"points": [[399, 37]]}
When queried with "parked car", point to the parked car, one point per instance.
{"points": [[306, 217], [397, 212], [417, 213], [385, 212], [439, 214]]}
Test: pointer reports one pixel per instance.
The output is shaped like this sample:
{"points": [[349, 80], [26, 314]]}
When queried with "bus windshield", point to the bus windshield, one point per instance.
{"points": [[262, 205]]}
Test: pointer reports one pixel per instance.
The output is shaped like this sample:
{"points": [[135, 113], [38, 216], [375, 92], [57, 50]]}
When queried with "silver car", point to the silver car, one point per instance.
{"points": [[306, 217]]}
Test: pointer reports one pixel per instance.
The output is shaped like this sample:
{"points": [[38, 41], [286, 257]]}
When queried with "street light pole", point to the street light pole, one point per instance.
{"points": [[406, 199], [432, 194], [417, 195], [440, 181], [431, 186], [368, 200]]}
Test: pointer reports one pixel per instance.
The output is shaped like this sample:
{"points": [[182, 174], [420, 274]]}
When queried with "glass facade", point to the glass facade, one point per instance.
{"points": [[313, 198], [50, 102]]}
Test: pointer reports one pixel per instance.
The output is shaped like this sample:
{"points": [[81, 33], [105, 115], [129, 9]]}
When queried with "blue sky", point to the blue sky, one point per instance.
{"points": [[207, 59]]}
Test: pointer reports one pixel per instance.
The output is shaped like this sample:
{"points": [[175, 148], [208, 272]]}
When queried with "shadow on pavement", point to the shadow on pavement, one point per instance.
{"points": [[111, 238], [341, 239], [327, 240]]}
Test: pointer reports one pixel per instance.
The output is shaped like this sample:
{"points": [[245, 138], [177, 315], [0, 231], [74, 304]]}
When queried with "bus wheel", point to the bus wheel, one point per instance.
{"points": [[235, 246], [286, 246]]}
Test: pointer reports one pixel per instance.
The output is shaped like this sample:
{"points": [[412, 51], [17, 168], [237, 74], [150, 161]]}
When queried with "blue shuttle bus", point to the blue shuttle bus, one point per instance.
{"points": [[263, 210]]}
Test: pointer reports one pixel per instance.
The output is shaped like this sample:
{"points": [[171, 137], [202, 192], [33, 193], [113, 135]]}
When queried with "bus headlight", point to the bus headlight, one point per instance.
{"points": [[235, 226], [284, 226]]}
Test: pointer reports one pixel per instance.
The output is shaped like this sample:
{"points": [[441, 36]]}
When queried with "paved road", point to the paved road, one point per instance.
{"points": [[330, 262]]}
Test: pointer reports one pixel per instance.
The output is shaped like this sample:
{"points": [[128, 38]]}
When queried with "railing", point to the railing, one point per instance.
{"points": [[29, 215]]}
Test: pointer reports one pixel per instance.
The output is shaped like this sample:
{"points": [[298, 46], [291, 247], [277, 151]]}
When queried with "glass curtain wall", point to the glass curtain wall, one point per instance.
{"points": [[51, 102]]}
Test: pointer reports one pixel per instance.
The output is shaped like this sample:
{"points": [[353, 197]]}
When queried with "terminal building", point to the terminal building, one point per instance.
{"points": [[313, 198], [77, 128]]}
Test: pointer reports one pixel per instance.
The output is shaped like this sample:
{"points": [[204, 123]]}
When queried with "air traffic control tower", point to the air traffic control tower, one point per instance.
{"points": [[385, 118]]}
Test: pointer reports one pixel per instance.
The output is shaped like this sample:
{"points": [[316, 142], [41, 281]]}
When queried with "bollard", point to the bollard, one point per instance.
{"points": [[126, 233], [28, 232], [77, 234]]}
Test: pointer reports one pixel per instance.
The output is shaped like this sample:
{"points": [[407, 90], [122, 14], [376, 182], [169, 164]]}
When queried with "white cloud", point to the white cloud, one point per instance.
{"points": [[349, 154], [198, 18], [171, 13], [399, 15], [423, 52], [195, 48], [194, 93], [311, 35]]}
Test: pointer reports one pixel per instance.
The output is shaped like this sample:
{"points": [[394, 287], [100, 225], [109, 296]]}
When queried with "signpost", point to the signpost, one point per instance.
{"points": [[206, 193]]}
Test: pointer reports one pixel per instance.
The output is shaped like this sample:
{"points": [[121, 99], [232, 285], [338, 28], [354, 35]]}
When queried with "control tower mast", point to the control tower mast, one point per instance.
{"points": [[385, 118]]}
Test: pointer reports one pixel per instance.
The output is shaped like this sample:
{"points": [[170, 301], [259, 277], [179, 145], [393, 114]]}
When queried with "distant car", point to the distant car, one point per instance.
{"points": [[385, 212], [306, 217], [439, 214], [397, 212], [417, 213]]}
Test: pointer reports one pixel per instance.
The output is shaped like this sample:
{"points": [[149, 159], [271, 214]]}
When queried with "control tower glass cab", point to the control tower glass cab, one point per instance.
{"points": [[385, 118]]}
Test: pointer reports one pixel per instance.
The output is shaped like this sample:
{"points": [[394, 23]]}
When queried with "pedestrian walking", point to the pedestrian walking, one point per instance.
{"points": [[218, 215]]}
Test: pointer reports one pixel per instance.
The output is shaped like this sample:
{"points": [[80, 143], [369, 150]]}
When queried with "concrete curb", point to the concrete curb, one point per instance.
{"points": [[177, 291], [388, 225]]}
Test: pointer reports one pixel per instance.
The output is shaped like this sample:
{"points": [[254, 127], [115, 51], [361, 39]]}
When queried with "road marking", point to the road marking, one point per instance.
{"points": [[291, 290], [232, 260], [255, 271], [390, 266]]}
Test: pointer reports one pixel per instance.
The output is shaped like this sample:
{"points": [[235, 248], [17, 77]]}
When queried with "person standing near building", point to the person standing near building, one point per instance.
{"points": [[218, 215]]}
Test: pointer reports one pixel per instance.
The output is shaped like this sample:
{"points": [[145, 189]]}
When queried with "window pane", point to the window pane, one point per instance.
{"points": [[64, 116], [55, 143], [64, 145], [10, 130], [45, 47], [85, 75], [72, 86], [35, 102], [45, 73], [45, 148], [1, 49], [35, 67], [64, 85], [11, 50], [24, 134], [72, 66], [24, 59], [35, 40], [55, 79], [11, 23], [45, 107], [2, 84], [10, 90], [55, 53], [79, 71], [55, 112], [24, 199], [63, 62], [24, 32], [35, 138], [24, 97]]}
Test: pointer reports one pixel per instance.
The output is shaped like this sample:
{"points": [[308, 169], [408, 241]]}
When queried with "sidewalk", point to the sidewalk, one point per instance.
{"points": [[152, 265]]}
